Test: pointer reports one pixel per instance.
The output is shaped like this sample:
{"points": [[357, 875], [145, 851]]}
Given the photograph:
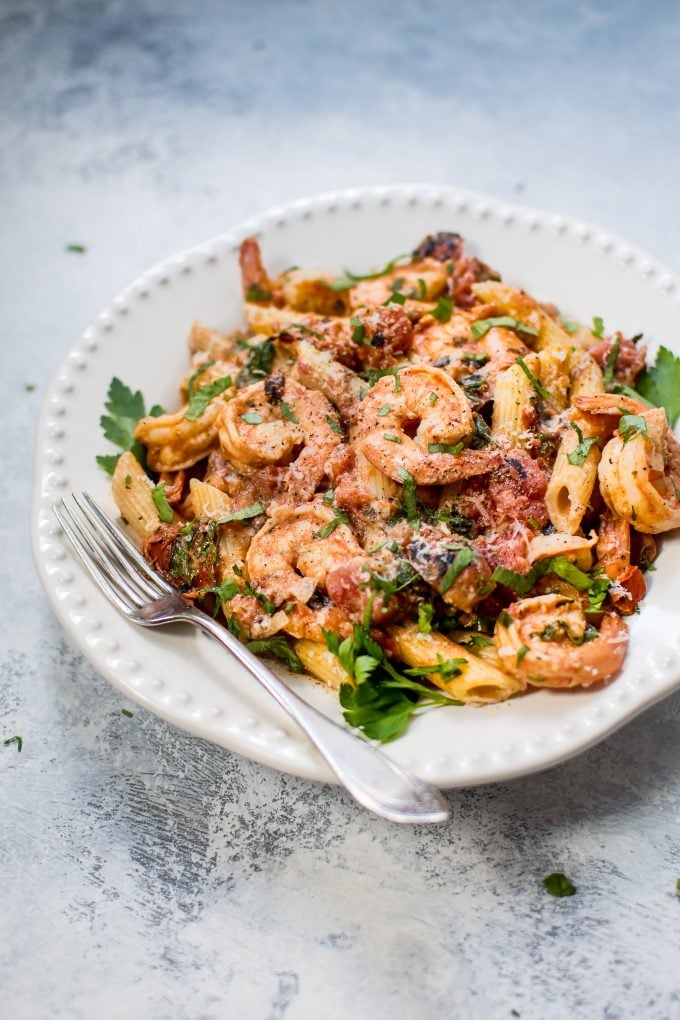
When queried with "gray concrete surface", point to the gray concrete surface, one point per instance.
{"points": [[144, 873]]}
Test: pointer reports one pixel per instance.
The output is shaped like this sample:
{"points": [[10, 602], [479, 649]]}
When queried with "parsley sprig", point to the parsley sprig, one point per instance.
{"points": [[125, 408], [377, 699]]}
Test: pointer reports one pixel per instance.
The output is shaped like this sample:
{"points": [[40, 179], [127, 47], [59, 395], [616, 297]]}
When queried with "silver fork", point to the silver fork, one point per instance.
{"points": [[144, 597]]}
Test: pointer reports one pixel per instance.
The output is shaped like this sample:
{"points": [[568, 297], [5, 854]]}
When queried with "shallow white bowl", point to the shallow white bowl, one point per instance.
{"points": [[141, 337]]}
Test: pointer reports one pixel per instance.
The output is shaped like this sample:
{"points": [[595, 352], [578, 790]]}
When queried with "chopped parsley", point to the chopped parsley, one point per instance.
{"points": [[125, 409], [372, 375], [201, 397], [422, 288], [195, 547], [462, 559], [434, 397], [385, 409], [254, 510], [252, 418], [558, 884], [631, 426], [521, 652], [350, 279], [287, 412], [358, 330], [482, 326], [409, 496], [471, 358], [598, 327], [597, 593], [127, 481], [334, 424], [223, 592], [328, 529], [580, 452], [259, 364], [610, 364], [452, 448], [540, 389], [558, 565], [425, 614], [404, 577], [256, 293], [127, 712], [76, 249], [391, 438], [396, 298], [443, 310], [448, 669], [280, 649], [14, 740], [29, 387], [163, 508], [567, 325], [306, 329]]}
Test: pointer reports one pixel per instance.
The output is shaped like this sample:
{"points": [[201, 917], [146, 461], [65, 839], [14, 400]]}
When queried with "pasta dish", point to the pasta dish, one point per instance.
{"points": [[420, 485]]}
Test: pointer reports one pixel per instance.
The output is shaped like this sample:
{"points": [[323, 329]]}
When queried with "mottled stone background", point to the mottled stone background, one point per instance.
{"points": [[144, 873]]}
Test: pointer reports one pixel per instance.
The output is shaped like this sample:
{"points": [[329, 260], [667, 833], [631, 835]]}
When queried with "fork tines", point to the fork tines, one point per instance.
{"points": [[113, 562]]}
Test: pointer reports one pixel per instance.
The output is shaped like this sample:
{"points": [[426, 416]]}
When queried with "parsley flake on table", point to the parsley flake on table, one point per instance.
{"points": [[14, 740], [557, 884], [76, 249]]}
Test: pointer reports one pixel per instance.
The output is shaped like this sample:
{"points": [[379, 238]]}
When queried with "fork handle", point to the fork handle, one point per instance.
{"points": [[365, 772]]}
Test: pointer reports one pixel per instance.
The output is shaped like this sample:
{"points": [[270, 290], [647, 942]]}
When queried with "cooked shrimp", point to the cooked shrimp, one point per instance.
{"points": [[613, 550], [288, 559], [256, 283], [599, 413], [404, 415], [173, 442], [267, 422], [640, 474], [547, 641]]}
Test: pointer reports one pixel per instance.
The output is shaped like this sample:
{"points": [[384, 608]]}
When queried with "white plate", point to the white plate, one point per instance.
{"points": [[141, 337]]}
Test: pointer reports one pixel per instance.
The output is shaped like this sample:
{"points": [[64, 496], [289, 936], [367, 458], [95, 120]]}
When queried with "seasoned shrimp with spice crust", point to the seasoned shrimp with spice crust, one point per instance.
{"points": [[268, 422], [548, 641], [407, 419]]}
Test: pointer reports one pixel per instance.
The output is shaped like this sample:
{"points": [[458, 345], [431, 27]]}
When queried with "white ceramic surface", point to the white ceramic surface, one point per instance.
{"points": [[141, 337]]}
